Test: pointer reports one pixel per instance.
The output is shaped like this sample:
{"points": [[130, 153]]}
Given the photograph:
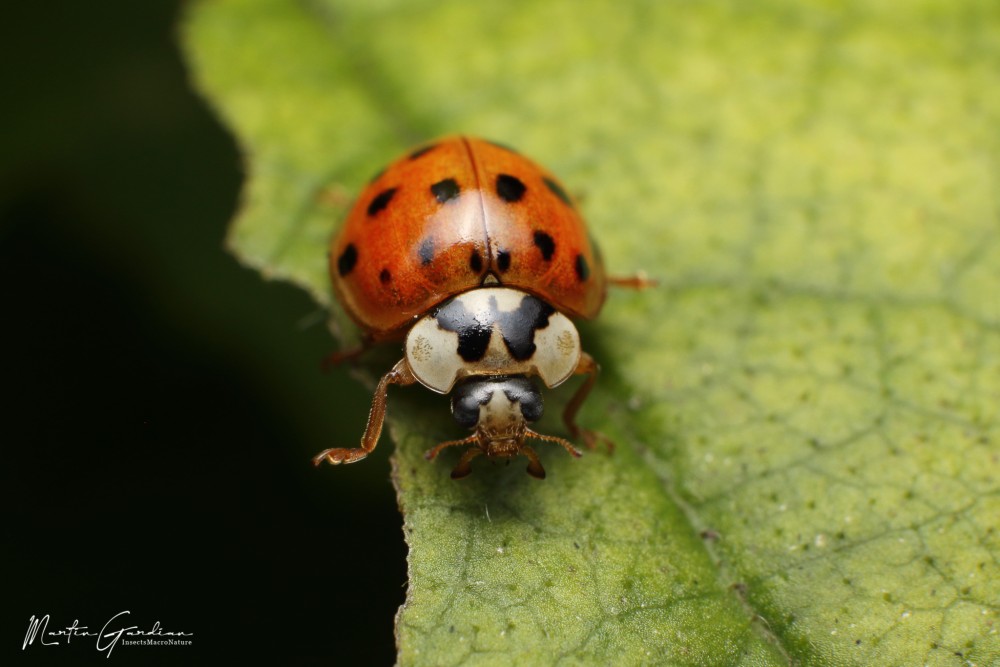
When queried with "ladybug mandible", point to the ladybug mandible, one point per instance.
{"points": [[477, 258]]}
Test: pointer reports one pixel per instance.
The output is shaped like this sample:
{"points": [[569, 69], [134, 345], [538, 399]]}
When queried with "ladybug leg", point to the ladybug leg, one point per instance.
{"points": [[566, 444], [589, 367], [434, 451], [464, 466], [401, 375], [350, 354], [535, 468], [638, 281]]}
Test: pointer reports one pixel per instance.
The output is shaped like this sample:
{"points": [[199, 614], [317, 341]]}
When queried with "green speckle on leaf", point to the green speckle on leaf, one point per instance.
{"points": [[806, 408]]}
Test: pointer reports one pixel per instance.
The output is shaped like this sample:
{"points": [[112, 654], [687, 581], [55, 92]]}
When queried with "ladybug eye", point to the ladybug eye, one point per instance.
{"points": [[524, 392], [470, 395], [466, 399]]}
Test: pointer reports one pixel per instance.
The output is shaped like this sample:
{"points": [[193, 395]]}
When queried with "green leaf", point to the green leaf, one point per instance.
{"points": [[806, 408]]}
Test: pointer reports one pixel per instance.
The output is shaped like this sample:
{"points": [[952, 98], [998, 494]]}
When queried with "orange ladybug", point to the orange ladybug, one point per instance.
{"points": [[477, 257]]}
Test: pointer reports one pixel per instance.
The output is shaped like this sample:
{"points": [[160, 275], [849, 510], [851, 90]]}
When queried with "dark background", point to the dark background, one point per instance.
{"points": [[162, 403]]}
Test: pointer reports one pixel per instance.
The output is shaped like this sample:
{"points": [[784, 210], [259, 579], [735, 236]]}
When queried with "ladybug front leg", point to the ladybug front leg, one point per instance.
{"points": [[464, 466], [401, 375], [588, 367]]}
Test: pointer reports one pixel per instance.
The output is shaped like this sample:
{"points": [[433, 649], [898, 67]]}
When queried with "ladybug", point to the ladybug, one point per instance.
{"points": [[477, 258]]}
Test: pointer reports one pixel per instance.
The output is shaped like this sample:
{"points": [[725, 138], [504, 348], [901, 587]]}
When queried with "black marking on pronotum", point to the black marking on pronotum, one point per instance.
{"points": [[558, 191], [545, 243], [385, 277], [426, 251], [473, 335], [347, 260], [510, 188], [381, 200], [469, 395], [503, 260], [476, 261], [518, 327], [582, 268], [421, 151], [445, 191]]}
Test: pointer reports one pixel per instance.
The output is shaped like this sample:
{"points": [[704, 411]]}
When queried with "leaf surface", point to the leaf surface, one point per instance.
{"points": [[806, 408]]}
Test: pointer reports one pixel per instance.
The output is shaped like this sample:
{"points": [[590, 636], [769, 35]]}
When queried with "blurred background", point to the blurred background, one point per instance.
{"points": [[162, 403]]}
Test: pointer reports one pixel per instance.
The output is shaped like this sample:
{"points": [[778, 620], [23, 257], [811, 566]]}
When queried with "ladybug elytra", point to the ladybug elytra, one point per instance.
{"points": [[477, 258]]}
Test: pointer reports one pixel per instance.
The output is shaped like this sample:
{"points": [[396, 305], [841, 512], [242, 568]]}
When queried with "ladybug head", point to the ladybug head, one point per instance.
{"points": [[499, 404], [499, 409]]}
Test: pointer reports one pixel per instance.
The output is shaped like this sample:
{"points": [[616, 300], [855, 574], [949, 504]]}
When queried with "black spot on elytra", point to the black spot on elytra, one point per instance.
{"points": [[518, 327], [503, 260], [476, 261], [558, 191], [385, 277], [582, 269], [421, 151], [426, 251], [545, 243], [381, 200], [347, 260], [445, 191], [510, 188], [473, 335]]}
